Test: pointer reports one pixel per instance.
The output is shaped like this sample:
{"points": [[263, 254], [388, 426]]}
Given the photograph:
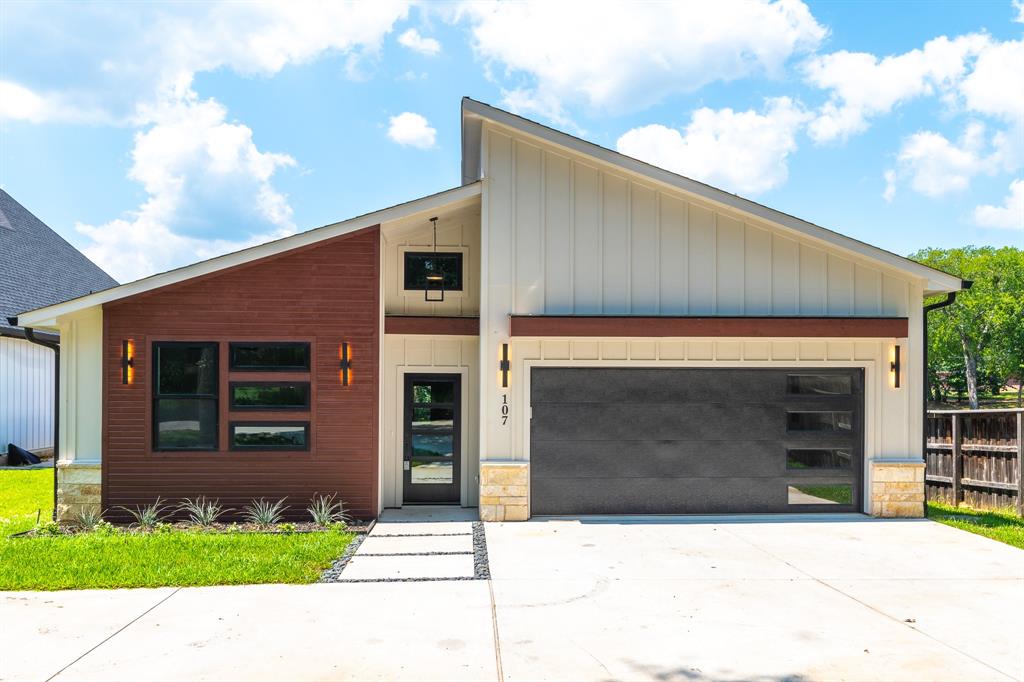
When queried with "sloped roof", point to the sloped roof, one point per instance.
{"points": [[37, 266]]}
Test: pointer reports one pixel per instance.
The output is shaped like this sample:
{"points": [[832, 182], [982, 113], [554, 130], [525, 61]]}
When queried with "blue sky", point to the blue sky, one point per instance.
{"points": [[154, 135]]}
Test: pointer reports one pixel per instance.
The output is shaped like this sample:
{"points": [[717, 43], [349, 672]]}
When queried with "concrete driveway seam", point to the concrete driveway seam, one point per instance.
{"points": [[826, 584], [113, 634]]}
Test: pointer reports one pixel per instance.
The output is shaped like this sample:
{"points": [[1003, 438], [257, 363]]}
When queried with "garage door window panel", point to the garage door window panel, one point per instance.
{"points": [[815, 494], [824, 422], [812, 459], [823, 385]]}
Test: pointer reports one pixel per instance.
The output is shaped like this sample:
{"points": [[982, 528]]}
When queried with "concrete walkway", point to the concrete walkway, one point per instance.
{"points": [[416, 543], [838, 598]]}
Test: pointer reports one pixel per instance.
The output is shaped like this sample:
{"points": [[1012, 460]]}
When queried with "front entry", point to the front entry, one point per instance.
{"points": [[432, 448]]}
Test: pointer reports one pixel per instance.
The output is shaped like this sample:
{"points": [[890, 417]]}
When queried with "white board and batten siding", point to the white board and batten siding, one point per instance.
{"points": [[564, 233], [26, 394]]}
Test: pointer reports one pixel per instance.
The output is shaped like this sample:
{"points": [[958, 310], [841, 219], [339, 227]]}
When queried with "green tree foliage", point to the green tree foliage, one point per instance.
{"points": [[979, 340]]}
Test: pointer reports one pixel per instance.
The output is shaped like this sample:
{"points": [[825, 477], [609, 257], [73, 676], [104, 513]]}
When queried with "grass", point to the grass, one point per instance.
{"points": [[97, 560], [1004, 526]]}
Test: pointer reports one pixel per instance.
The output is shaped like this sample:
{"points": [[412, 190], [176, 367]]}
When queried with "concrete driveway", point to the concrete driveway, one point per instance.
{"points": [[844, 598]]}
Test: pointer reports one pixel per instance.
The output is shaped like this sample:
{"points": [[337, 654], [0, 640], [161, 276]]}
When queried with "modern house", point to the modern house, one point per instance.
{"points": [[37, 268], [570, 331]]}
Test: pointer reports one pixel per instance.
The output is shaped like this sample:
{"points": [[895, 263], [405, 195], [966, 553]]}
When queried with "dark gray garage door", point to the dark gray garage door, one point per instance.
{"points": [[695, 441]]}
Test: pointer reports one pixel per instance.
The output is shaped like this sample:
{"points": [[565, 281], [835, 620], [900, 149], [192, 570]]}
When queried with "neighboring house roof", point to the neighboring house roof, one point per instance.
{"points": [[473, 110], [37, 266], [46, 316]]}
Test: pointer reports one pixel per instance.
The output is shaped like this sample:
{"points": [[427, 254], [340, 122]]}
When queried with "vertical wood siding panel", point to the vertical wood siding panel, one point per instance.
{"points": [[813, 281], [729, 259], [26, 395], [557, 235], [325, 294], [643, 251], [586, 241], [529, 241], [615, 248], [840, 286], [701, 261], [867, 291], [894, 296], [785, 276], [673, 267], [757, 297]]}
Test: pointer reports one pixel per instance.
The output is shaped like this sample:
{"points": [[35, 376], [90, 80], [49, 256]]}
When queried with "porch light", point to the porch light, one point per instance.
{"points": [[127, 361], [434, 279], [894, 366], [504, 365], [345, 364]]}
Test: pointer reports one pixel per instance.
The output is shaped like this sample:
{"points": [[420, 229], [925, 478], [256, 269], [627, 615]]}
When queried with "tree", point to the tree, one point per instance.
{"points": [[982, 334]]}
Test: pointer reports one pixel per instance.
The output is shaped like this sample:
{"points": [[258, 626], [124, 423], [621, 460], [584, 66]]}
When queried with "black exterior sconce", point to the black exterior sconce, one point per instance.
{"points": [[127, 361], [504, 365], [894, 367], [345, 364]]}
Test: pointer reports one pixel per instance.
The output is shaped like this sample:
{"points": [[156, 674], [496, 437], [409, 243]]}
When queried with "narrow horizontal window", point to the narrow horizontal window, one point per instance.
{"points": [[283, 356], [429, 270], [834, 422], [818, 458], [269, 395], [800, 494], [185, 396], [819, 384], [270, 436]]}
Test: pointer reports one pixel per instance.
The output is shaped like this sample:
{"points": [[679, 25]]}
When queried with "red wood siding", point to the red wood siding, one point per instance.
{"points": [[324, 294], [432, 325], [623, 325]]}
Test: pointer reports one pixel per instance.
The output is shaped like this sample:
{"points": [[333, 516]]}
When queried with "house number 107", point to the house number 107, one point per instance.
{"points": [[504, 410]]}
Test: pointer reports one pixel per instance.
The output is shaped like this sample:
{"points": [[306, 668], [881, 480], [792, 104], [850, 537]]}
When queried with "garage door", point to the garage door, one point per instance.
{"points": [[695, 441]]}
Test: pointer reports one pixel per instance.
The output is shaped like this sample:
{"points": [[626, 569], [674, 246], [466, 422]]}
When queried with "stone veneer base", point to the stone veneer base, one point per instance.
{"points": [[79, 487], [504, 490], [897, 488]]}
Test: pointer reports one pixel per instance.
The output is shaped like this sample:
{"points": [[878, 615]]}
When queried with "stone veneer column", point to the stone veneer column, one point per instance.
{"points": [[78, 489], [504, 490], [897, 488]]}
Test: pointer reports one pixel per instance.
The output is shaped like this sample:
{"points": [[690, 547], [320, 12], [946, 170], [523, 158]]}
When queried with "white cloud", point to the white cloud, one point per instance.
{"points": [[890, 185], [620, 56], [1009, 216], [743, 151], [411, 130], [1019, 6], [972, 71], [19, 103], [417, 43]]}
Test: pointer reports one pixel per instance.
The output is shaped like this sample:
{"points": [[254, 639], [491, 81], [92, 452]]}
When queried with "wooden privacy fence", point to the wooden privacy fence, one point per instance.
{"points": [[974, 457]]}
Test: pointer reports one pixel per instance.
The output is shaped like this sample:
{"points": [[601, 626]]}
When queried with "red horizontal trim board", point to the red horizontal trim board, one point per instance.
{"points": [[636, 325], [435, 325]]}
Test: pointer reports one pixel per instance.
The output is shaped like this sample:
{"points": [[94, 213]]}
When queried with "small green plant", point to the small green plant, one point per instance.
{"points": [[264, 513], [105, 528], [163, 527], [287, 527], [147, 517], [51, 528], [201, 511], [326, 512], [88, 518]]}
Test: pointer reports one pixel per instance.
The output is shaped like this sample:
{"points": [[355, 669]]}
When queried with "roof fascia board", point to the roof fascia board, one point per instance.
{"points": [[936, 280], [47, 316]]}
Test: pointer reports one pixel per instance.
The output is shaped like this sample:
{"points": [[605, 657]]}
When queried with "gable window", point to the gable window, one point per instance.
{"points": [[185, 392], [433, 271], [282, 356]]}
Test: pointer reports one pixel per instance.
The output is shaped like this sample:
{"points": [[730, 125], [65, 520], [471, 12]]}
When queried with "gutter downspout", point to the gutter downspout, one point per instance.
{"points": [[30, 336], [950, 300]]}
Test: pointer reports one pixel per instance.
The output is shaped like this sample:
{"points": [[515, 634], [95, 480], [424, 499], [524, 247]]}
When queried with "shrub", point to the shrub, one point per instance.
{"points": [[286, 527], [88, 518], [105, 528], [325, 511], [264, 513], [49, 528], [148, 516], [203, 512]]}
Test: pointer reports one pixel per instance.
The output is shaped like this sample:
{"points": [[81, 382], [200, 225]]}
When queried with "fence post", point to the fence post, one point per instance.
{"points": [[958, 461], [1020, 463]]}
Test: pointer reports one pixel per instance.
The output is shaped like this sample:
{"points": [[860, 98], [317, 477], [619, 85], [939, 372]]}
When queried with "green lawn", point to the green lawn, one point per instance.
{"points": [[96, 560], [1002, 526]]}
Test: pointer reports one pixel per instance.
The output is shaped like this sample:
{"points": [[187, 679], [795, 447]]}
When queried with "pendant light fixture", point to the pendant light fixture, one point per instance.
{"points": [[435, 280]]}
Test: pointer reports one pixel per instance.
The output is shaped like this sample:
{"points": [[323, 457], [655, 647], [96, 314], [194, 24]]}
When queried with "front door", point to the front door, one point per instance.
{"points": [[431, 454]]}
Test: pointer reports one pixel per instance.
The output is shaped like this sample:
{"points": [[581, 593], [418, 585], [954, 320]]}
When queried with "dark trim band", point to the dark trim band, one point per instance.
{"points": [[779, 327], [432, 325]]}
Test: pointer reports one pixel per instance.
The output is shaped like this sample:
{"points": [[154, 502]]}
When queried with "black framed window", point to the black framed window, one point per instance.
{"points": [[261, 356], [818, 458], [186, 388], [270, 435], [819, 384], [420, 265], [269, 395], [834, 422]]}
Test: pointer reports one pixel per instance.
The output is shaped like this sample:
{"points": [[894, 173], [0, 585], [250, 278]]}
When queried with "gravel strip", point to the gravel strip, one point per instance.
{"points": [[333, 574], [481, 566], [415, 554]]}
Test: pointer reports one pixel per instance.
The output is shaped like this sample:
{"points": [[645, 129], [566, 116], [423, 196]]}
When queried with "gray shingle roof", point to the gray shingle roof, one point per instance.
{"points": [[37, 267]]}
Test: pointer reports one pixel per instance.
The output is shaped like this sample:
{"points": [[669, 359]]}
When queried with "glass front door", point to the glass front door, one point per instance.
{"points": [[432, 444]]}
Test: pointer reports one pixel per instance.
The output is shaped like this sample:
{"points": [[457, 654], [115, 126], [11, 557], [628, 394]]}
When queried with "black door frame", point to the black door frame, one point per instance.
{"points": [[431, 493]]}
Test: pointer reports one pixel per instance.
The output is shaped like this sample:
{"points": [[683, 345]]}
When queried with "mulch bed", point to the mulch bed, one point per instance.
{"points": [[358, 527]]}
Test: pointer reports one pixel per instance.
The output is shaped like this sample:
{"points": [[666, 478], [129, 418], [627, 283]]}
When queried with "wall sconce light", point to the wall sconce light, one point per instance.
{"points": [[504, 365], [345, 364], [894, 366], [127, 361]]}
